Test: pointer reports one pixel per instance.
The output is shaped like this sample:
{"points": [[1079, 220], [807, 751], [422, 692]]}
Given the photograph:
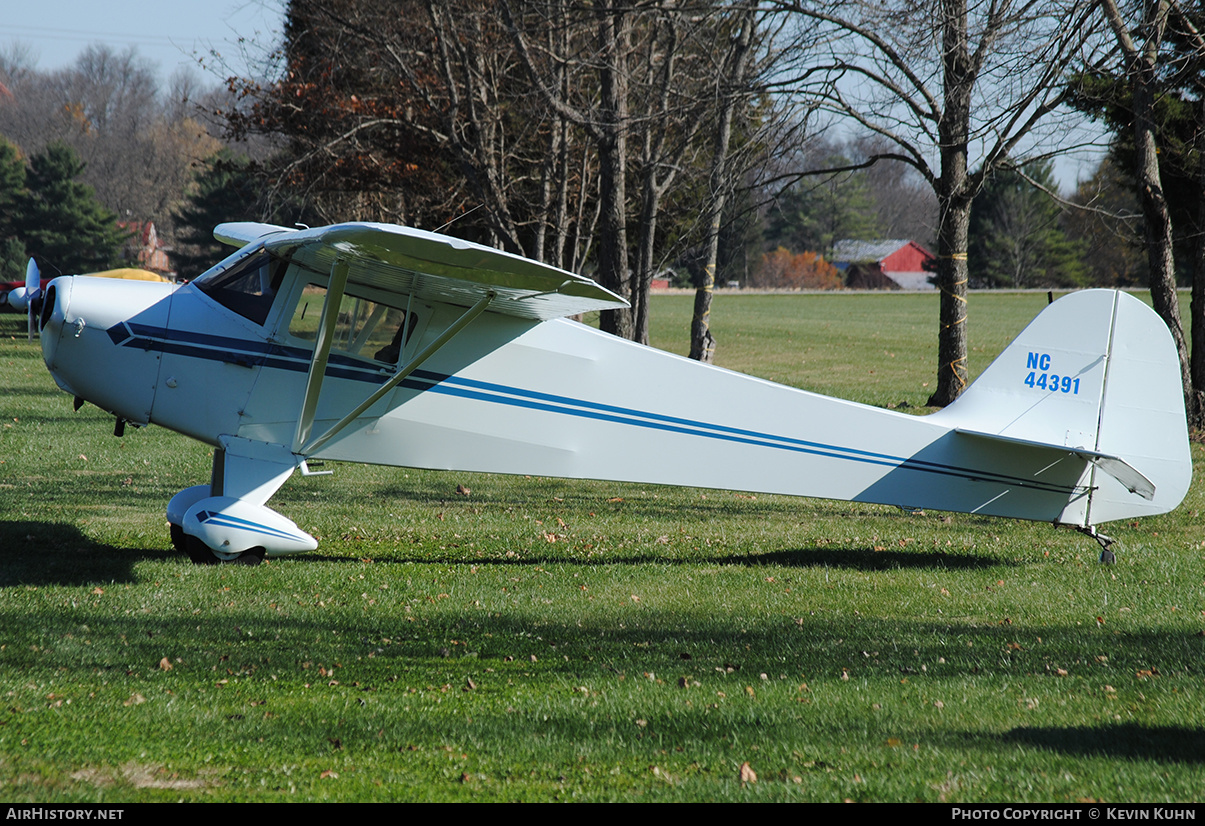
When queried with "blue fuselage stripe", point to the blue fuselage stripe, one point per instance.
{"points": [[598, 412]]}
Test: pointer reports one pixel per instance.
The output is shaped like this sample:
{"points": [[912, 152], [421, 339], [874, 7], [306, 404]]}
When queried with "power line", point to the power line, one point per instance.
{"points": [[78, 35]]}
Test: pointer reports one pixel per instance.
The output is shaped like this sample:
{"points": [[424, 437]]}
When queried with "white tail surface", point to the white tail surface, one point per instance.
{"points": [[1096, 373]]}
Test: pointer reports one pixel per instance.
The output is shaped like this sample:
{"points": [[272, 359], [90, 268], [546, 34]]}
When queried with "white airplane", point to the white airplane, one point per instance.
{"points": [[387, 345]]}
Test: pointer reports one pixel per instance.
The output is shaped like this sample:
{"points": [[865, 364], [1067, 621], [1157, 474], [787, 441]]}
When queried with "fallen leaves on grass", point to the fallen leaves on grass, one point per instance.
{"points": [[747, 774]]}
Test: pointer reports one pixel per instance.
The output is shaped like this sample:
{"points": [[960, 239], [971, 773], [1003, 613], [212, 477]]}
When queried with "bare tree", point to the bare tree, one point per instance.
{"points": [[731, 91], [652, 88], [1141, 52], [671, 118], [139, 147], [602, 112], [945, 83], [1162, 53], [426, 117]]}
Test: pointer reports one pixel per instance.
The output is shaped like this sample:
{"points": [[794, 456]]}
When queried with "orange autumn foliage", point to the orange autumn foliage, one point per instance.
{"points": [[783, 269]]}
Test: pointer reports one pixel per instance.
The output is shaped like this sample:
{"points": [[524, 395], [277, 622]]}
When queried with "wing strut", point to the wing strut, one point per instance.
{"points": [[397, 378], [322, 351]]}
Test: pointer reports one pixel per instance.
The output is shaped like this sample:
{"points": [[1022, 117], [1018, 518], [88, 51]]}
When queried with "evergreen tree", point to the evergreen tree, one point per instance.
{"points": [[12, 191], [1016, 239], [1108, 226], [225, 191], [63, 224], [813, 214], [1178, 123]]}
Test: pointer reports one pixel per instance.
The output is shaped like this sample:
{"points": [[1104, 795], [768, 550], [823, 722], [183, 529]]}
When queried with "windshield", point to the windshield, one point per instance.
{"points": [[247, 287]]}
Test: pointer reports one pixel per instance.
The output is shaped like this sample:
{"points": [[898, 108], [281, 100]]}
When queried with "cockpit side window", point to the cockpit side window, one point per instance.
{"points": [[364, 328], [248, 287]]}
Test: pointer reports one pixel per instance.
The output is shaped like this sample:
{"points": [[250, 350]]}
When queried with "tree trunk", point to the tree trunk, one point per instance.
{"points": [[954, 195], [952, 281], [1197, 307], [642, 279], [702, 342], [1157, 218], [613, 42]]}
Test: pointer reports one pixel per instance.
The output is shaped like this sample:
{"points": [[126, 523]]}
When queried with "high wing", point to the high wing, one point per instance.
{"points": [[242, 233], [432, 267]]}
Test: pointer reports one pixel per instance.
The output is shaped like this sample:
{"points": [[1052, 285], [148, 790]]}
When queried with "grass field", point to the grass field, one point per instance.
{"points": [[543, 640]]}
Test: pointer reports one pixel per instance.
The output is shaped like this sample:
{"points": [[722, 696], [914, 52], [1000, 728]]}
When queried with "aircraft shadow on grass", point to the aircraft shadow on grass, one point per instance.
{"points": [[54, 553], [862, 559], [859, 559], [1131, 741]]}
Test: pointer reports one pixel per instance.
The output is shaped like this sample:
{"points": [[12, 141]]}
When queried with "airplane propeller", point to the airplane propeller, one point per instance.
{"points": [[29, 297]]}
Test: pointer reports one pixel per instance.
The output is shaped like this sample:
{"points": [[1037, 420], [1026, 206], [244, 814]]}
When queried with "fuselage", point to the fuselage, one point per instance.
{"points": [[229, 356]]}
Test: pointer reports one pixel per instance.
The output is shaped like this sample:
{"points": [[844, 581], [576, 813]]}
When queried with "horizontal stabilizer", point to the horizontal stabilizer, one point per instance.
{"points": [[1115, 466]]}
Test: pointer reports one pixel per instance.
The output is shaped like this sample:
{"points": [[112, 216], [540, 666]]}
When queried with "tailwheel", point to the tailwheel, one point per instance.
{"points": [[1107, 555]]}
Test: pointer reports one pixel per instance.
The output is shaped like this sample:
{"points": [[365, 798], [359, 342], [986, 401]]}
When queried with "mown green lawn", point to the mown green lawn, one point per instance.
{"points": [[544, 640]]}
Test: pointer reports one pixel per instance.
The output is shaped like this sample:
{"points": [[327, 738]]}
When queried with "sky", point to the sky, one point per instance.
{"points": [[169, 34]]}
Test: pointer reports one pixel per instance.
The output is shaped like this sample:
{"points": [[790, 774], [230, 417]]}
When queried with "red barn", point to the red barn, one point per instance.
{"points": [[143, 248], [884, 265]]}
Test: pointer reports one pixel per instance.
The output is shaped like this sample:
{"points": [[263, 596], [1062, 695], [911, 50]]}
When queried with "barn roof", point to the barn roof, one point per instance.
{"points": [[864, 252]]}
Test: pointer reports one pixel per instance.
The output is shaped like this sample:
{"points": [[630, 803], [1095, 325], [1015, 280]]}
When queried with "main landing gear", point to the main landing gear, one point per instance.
{"points": [[226, 521]]}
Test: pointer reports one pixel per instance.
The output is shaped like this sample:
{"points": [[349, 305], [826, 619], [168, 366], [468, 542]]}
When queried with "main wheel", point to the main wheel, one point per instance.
{"points": [[251, 556], [202, 554], [179, 538], [198, 551]]}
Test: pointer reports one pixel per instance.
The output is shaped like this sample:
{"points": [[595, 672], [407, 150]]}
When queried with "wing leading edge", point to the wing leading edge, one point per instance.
{"points": [[434, 267]]}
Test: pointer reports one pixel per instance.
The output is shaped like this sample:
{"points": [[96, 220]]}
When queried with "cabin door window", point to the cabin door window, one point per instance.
{"points": [[365, 328]]}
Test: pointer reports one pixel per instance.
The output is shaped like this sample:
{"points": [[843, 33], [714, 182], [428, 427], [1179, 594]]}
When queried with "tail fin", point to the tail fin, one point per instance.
{"points": [[1095, 375]]}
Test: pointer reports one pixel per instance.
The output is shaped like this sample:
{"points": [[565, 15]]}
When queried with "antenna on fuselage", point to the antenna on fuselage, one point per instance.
{"points": [[458, 217]]}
